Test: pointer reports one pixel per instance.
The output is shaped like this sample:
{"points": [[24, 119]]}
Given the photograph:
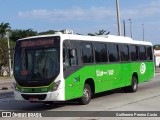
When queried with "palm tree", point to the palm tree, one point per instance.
{"points": [[3, 28], [100, 32]]}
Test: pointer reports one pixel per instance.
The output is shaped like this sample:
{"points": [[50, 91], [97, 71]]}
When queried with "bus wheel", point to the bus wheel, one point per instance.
{"points": [[133, 87], [86, 95]]}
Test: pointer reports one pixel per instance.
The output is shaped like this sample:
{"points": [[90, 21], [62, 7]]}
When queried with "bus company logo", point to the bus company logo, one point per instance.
{"points": [[100, 73], [142, 68], [6, 114]]}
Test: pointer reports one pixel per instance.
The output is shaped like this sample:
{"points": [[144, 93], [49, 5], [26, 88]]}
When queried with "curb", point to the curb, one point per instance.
{"points": [[6, 87], [6, 94]]}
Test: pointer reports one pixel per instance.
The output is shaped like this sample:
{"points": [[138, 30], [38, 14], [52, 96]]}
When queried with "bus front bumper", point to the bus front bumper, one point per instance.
{"points": [[57, 95]]}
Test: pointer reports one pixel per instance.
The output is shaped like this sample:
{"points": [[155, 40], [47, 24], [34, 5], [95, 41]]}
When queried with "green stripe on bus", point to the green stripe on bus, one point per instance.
{"points": [[106, 77]]}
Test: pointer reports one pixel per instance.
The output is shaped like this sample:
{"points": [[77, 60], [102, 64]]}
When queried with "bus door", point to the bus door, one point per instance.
{"points": [[101, 58], [114, 66], [125, 64]]}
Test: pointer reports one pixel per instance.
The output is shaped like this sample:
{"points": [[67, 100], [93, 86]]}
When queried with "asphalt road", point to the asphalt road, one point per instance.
{"points": [[147, 98]]}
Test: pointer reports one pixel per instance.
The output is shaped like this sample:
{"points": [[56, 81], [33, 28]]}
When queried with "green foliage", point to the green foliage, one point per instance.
{"points": [[91, 34], [4, 27], [100, 32], [4, 51], [17, 34], [156, 47], [47, 32]]}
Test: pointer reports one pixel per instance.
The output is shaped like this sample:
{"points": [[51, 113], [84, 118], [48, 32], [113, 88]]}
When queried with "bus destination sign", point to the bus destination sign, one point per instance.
{"points": [[36, 43]]}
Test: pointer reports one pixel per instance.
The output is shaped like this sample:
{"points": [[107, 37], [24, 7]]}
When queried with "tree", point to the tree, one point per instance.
{"points": [[91, 34], [156, 47], [100, 32], [4, 51], [17, 34], [3, 28], [47, 32]]}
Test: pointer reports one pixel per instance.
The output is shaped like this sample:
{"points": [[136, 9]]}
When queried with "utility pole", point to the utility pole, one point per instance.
{"points": [[9, 59], [118, 18], [124, 27], [131, 27], [143, 31]]}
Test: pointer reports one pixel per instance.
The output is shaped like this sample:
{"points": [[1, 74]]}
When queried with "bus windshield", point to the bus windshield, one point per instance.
{"points": [[36, 65]]}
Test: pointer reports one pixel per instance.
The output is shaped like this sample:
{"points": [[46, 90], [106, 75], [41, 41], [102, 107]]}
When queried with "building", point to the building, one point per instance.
{"points": [[157, 57]]}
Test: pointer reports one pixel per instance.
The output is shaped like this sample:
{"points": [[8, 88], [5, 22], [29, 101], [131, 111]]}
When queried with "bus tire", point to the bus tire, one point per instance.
{"points": [[87, 94], [134, 86]]}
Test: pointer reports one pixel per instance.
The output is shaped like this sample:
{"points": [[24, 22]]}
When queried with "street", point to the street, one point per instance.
{"points": [[145, 99]]}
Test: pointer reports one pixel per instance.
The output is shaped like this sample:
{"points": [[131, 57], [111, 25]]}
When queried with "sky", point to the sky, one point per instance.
{"points": [[84, 16]]}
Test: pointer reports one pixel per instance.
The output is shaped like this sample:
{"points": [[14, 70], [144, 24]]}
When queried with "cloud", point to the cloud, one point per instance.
{"points": [[152, 8], [93, 13], [141, 11], [76, 13]]}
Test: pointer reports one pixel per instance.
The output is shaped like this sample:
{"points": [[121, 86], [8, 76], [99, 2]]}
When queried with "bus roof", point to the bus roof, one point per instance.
{"points": [[100, 38]]}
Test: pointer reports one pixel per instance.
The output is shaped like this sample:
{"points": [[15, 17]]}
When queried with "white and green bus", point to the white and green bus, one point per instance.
{"points": [[61, 67]]}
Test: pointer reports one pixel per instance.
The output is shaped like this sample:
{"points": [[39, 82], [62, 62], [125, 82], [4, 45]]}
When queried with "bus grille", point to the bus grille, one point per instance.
{"points": [[39, 97]]}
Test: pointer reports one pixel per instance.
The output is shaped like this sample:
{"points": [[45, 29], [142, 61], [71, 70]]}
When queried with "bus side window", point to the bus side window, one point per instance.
{"points": [[65, 57], [142, 53], [113, 52], [133, 52], [73, 57], [149, 53], [137, 53], [69, 57], [124, 52], [87, 53], [101, 53]]}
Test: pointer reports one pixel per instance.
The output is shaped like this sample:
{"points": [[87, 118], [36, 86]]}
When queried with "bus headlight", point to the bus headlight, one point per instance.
{"points": [[55, 87]]}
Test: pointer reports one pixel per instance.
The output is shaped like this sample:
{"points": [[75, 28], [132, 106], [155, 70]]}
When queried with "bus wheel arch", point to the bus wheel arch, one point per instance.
{"points": [[90, 82], [88, 90]]}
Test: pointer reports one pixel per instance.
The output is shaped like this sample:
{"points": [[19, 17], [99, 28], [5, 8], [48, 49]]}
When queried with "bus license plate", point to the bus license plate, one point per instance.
{"points": [[33, 99]]}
